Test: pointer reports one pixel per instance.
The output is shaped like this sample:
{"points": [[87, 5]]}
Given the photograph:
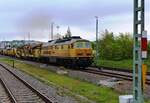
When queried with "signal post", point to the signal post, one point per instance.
{"points": [[139, 52]]}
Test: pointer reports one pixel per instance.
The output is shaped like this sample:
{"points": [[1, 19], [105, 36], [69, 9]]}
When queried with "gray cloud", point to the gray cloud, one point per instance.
{"points": [[35, 15], [35, 20]]}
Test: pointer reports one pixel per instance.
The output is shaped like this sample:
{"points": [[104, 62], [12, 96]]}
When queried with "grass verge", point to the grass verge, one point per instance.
{"points": [[126, 64]]}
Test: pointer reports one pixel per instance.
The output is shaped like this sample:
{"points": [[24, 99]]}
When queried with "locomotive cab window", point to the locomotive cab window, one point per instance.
{"points": [[87, 44], [78, 45], [82, 45]]}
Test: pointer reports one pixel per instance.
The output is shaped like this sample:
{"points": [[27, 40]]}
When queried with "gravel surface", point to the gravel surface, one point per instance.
{"points": [[4, 98], [86, 76], [125, 87], [20, 91]]}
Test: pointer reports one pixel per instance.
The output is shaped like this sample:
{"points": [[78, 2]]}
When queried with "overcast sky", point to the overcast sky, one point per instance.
{"points": [[19, 17]]}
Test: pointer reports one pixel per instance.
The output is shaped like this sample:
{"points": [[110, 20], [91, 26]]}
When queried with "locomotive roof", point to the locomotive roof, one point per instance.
{"points": [[31, 44], [69, 40], [34, 45], [49, 43]]}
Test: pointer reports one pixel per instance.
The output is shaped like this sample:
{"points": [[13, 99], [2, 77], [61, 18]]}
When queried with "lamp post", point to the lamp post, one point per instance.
{"points": [[96, 54], [58, 35], [52, 30], [13, 63]]}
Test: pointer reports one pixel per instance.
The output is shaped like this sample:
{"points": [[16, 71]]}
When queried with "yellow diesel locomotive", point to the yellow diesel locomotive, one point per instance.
{"points": [[72, 51]]}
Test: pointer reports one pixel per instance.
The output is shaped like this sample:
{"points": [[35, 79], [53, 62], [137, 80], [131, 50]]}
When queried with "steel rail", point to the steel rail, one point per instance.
{"points": [[10, 94], [98, 67], [115, 69], [112, 74], [46, 99]]}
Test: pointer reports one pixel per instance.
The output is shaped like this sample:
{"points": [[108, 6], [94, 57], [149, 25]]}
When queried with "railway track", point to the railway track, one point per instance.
{"points": [[4, 94], [17, 90], [127, 70], [124, 76], [116, 69]]}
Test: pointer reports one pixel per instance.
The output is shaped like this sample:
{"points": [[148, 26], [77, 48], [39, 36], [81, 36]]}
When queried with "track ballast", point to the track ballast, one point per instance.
{"points": [[18, 90]]}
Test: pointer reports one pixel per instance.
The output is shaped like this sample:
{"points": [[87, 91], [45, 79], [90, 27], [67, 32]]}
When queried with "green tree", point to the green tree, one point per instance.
{"points": [[106, 45], [125, 42], [115, 47]]}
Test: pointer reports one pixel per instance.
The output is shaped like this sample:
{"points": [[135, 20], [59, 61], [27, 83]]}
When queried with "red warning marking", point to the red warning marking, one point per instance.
{"points": [[144, 44]]}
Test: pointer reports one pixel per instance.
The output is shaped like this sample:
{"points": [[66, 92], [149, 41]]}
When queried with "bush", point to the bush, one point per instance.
{"points": [[115, 47]]}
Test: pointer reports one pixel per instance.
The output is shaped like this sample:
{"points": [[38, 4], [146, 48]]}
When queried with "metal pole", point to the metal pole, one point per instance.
{"points": [[52, 27], [137, 58], [58, 36], [13, 63], [29, 36], [96, 56]]}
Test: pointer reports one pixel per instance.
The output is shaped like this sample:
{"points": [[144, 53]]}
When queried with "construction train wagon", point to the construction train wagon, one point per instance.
{"points": [[70, 51]]}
